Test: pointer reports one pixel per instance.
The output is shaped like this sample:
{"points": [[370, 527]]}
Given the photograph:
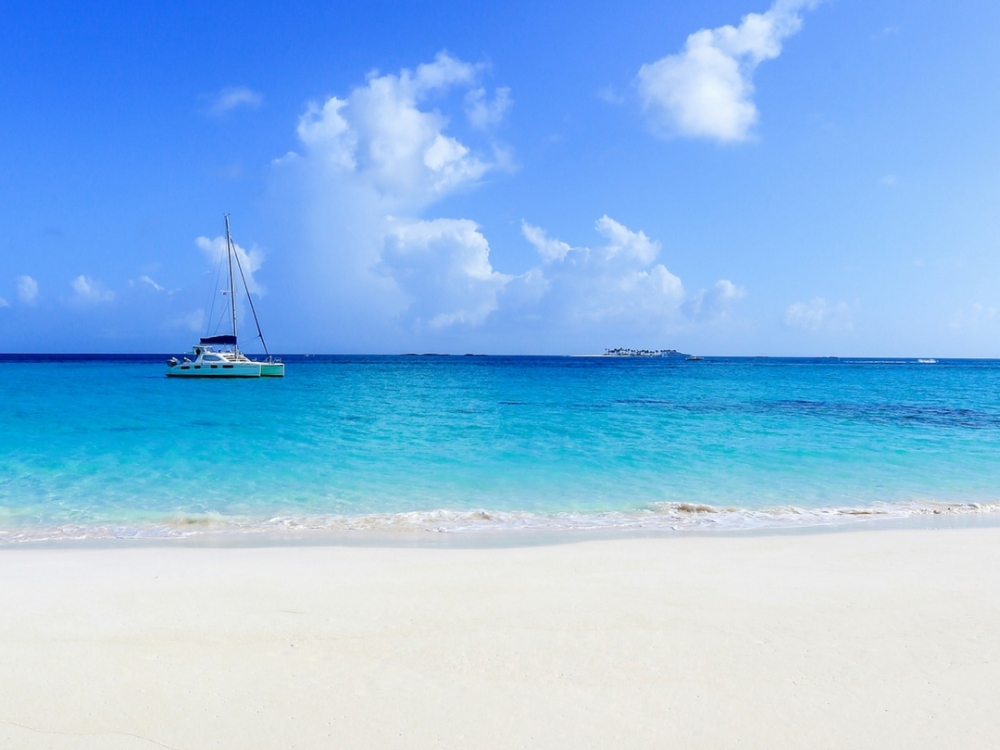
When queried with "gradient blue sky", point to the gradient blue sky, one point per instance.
{"points": [[819, 179]]}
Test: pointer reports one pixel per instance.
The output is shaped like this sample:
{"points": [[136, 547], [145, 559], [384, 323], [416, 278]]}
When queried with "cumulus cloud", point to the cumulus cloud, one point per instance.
{"points": [[380, 138], [88, 291], [368, 263], [706, 89], [236, 96], [215, 251], [818, 315], [444, 267], [27, 289], [370, 165], [617, 281], [625, 243]]}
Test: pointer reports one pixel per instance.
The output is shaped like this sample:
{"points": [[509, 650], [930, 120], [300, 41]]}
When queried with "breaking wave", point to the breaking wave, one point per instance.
{"points": [[657, 517]]}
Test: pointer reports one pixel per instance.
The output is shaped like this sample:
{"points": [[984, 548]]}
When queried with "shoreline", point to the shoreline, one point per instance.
{"points": [[825, 640], [498, 538]]}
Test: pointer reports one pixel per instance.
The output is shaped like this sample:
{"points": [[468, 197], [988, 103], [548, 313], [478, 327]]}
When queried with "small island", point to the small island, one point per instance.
{"points": [[621, 352]]}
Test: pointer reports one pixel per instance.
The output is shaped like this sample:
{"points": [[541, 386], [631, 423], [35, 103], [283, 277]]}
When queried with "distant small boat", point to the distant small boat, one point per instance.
{"points": [[694, 358], [229, 362], [927, 361]]}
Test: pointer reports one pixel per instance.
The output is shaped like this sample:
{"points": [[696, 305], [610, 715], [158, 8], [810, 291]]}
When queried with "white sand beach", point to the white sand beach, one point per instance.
{"points": [[860, 639]]}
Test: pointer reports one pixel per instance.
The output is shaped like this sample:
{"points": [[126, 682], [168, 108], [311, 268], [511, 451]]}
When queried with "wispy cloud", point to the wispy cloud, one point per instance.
{"points": [[236, 96], [549, 249], [974, 316], [712, 303], [150, 282], [4, 303], [250, 261], [27, 289], [193, 321], [89, 291], [818, 315], [609, 95], [706, 89], [483, 113]]}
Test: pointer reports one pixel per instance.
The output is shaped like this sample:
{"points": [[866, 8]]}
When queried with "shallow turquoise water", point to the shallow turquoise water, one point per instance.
{"points": [[98, 443]]}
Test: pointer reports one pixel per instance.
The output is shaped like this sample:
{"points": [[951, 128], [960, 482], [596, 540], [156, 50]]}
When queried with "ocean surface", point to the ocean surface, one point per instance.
{"points": [[110, 447]]}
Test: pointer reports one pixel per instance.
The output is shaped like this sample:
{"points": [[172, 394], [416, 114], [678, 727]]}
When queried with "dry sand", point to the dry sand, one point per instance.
{"points": [[879, 639]]}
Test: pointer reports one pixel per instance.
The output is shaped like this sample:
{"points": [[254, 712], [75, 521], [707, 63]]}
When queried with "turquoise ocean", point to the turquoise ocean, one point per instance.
{"points": [[109, 447]]}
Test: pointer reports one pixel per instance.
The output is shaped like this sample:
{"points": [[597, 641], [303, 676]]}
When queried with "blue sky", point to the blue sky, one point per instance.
{"points": [[720, 177]]}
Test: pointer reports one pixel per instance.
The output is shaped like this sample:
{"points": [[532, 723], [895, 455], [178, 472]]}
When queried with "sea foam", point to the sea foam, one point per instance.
{"points": [[661, 517]]}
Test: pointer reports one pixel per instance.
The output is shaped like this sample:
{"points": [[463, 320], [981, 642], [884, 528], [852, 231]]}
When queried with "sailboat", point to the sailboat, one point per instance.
{"points": [[227, 361]]}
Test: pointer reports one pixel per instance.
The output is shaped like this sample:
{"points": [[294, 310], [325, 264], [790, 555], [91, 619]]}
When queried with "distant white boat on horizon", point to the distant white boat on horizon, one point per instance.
{"points": [[229, 362]]}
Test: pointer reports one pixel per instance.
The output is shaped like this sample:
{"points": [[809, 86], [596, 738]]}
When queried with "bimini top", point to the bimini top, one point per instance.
{"points": [[226, 339]]}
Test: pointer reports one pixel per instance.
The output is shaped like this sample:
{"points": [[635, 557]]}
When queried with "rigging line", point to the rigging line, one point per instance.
{"points": [[212, 297], [260, 334]]}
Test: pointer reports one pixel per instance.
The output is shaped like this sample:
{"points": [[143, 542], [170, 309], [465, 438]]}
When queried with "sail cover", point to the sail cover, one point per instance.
{"points": [[224, 340]]}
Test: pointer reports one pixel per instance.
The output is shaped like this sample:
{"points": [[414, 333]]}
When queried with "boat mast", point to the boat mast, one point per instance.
{"points": [[232, 286]]}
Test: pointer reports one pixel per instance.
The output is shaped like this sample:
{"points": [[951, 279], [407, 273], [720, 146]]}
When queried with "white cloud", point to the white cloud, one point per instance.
{"points": [[709, 304], [150, 282], [550, 250], [27, 289], [483, 113], [371, 163], [614, 282], [379, 138], [88, 291], [619, 281], [236, 96], [367, 267], [817, 315], [251, 260], [624, 243], [706, 90], [608, 95], [4, 303], [888, 180], [194, 321], [444, 267]]}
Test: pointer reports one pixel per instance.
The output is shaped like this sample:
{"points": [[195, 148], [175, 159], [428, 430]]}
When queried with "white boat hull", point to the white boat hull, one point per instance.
{"points": [[215, 370]]}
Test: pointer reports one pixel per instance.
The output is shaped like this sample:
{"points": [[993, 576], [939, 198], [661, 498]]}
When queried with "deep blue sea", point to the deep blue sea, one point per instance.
{"points": [[108, 446]]}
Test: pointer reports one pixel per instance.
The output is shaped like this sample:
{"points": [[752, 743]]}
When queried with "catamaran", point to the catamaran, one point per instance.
{"points": [[229, 361]]}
